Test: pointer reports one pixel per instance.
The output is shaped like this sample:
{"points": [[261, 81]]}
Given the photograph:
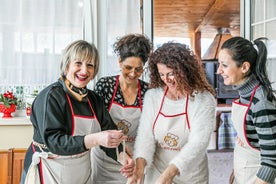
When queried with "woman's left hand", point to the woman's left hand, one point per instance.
{"points": [[128, 165], [167, 176], [164, 180]]}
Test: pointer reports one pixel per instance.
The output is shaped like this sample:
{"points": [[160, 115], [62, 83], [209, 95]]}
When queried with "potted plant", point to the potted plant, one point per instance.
{"points": [[8, 104]]}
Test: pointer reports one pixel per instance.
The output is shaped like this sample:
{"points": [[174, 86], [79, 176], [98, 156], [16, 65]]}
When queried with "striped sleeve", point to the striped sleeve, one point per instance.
{"points": [[261, 133]]}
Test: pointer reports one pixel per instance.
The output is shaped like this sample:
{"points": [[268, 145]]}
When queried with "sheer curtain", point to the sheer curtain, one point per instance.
{"points": [[34, 32], [32, 36], [115, 18]]}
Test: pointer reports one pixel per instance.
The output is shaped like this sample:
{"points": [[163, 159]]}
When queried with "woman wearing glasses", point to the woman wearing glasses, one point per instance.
{"points": [[176, 121], [123, 96]]}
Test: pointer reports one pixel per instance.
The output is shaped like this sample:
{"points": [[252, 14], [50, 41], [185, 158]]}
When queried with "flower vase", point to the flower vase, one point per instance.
{"points": [[29, 101], [7, 110]]}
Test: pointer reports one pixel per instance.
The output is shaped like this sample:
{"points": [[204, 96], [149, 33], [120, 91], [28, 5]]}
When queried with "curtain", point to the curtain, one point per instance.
{"points": [[32, 36], [117, 18]]}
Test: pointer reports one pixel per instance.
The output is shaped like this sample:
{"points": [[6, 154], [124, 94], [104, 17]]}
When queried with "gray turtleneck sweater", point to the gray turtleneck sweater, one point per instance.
{"points": [[260, 126]]}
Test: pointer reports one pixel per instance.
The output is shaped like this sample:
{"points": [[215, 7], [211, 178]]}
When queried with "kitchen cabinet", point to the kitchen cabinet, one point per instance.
{"points": [[11, 165], [15, 137], [4, 165]]}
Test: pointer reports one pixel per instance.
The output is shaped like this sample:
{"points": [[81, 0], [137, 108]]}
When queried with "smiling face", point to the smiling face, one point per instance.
{"points": [[79, 73], [79, 63], [132, 69], [228, 69], [167, 76]]}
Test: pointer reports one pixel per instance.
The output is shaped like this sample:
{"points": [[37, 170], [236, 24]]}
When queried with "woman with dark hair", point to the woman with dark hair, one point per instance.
{"points": [[176, 121], [243, 64], [123, 95]]}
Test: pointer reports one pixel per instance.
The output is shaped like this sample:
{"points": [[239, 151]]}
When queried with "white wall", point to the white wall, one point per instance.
{"points": [[16, 132]]}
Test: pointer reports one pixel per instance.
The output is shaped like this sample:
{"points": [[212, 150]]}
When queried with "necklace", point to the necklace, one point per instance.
{"points": [[129, 95], [129, 92], [174, 96]]}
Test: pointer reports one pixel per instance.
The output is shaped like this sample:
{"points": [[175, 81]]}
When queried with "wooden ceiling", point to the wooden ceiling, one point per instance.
{"points": [[183, 18]]}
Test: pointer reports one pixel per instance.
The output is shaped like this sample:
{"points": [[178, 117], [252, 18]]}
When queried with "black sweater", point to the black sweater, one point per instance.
{"points": [[52, 121]]}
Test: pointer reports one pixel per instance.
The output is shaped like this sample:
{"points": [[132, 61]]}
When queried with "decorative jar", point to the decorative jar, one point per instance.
{"points": [[8, 104], [7, 110]]}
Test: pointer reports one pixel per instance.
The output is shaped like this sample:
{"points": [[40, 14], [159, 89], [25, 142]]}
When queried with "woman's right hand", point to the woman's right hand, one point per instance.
{"points": [[107, 138]]}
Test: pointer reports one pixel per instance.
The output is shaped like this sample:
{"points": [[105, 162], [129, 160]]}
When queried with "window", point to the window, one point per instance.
{"points": [[263, 24], [117, 18], [32, 36]]}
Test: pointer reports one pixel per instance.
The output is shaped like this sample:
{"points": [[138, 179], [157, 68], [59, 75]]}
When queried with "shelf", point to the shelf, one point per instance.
{"points": [[15, 121], [19, 118]]}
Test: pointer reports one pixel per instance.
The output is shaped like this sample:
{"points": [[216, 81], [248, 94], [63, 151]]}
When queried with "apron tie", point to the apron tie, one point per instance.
{"points": [[32, 176]]}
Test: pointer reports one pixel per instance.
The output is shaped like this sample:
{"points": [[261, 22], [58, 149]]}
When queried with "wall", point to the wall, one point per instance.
{"points": [[16, 132]]}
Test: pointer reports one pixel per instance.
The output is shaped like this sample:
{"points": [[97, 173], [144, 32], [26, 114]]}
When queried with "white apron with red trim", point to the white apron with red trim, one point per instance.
{"points": [[106, 170], [246, 158], [75, 169], [171, 132]]}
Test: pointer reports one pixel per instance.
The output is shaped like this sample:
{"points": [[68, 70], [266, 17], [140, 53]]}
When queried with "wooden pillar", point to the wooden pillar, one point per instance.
{"points": [[196, 44]]}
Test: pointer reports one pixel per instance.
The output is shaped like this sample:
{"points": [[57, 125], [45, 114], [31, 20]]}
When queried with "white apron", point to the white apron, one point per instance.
{"points": [[127, 119], [171, 132], [57, 169], [246, 158]]}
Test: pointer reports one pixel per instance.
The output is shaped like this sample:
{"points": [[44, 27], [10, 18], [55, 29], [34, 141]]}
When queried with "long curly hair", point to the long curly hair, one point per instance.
{"points": [[188, 71]]}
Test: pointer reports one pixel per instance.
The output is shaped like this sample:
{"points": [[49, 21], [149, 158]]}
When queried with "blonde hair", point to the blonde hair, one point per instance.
{"points": [[81, 50]]}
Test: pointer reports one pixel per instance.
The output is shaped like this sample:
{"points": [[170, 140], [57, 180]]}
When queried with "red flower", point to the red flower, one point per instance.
{"points": [[8, 98]]}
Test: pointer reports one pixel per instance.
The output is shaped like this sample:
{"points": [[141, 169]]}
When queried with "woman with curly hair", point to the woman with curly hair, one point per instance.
{"points": [[176, 121]]}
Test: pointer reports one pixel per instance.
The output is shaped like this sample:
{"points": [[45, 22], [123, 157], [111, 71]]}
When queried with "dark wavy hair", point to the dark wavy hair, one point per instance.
{"points": [[188, 71], [255, 52], [133, 45]]}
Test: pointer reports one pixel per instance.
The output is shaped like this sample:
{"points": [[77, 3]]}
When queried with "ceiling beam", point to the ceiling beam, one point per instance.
{"points": [[217, 5]]}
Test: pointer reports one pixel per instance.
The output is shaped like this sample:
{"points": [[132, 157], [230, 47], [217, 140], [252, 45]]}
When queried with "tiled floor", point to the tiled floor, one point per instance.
{"points": [[220, 166]]}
